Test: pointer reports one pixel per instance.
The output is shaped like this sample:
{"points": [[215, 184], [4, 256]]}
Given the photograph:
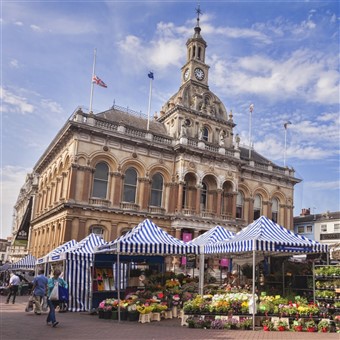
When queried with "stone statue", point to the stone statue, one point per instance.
{"points": [[200, 133], [183, 129], [237, 140], [222, 136]]}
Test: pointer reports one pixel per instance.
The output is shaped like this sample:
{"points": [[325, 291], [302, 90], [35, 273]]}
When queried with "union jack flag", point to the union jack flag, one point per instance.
{"points": [[98, 81]]}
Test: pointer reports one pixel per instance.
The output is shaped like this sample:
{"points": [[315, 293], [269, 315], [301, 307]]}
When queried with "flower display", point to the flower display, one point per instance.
{"points": [[172, 283]]}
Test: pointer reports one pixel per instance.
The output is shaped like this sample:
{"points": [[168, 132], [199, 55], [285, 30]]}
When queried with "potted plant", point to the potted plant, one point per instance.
{"points": [[281, 325], [133, 314], [191, 322], [105, 310], [267, 325], [324, 326], [310, 325], [337, 323], [298, 325], [246, 323]]}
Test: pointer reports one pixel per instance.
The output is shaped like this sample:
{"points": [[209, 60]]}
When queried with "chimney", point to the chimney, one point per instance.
{"points": [[305, 212]]}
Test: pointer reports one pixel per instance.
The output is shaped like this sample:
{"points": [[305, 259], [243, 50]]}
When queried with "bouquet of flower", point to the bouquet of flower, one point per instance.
{"points": [[172, 283], [175, 300]]}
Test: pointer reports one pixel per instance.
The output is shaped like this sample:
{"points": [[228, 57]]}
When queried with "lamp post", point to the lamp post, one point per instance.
{"points": [[285, 125], [251, 109]]}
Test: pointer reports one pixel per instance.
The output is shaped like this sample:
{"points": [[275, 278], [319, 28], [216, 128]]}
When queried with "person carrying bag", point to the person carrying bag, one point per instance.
{"points": [[57, 293]]}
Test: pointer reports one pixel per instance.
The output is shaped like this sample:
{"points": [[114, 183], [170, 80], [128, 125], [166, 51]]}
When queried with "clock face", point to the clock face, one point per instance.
{"points": [[186, 74], [199, 73]]}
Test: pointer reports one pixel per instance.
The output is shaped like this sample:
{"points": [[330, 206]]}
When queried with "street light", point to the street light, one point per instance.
{"points": [[251, 109], [285, 125]]}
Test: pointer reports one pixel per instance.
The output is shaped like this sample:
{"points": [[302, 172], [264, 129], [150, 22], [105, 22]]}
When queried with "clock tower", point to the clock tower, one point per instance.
{"points": [[195, 68]]}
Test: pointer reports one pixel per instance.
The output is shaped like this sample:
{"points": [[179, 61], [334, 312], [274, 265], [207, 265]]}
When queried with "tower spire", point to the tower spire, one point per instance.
{"points": [[199, 12]]}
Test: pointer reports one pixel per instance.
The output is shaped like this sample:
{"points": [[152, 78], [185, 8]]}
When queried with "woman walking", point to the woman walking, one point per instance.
{"points": [[51, 303]]}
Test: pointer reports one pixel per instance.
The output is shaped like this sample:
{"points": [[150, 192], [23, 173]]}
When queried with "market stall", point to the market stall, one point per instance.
{"points": [[211, 236], [75, 263], [265, 237], [148, 239]]}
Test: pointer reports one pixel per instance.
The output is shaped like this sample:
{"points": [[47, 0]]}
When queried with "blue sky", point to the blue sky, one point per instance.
{"points": [[281, 56]]}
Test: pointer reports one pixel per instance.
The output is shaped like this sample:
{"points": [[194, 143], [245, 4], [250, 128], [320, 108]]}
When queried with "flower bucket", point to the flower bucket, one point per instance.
{"points": [[281, 328], [101, 314], [107, 314], [298, 328], [123, 315], [266, 328], [114, 315], [133, 316], [174, 311], [311, 329]]}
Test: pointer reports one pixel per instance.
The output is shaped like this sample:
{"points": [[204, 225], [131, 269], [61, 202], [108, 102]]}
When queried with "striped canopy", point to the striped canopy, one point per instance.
{"points": [[79, 260], [267, 236], [26, 263], [5, 267], [212, 236], [57, 251], [148, 238]]}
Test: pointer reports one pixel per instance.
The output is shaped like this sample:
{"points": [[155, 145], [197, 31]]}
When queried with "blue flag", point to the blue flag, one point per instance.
{"points": [[150, 75]]}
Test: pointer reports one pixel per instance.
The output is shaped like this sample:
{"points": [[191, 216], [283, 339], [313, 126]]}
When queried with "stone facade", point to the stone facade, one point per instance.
{"points": [[186, 170]]}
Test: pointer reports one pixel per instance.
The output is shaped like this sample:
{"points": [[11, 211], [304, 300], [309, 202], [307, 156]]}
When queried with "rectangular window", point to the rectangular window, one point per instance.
{"points": [[301, 229], [336, 227], [309, 229], [323, 228]]}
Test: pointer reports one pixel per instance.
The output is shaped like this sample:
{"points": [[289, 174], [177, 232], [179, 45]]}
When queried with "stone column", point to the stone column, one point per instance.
{"points": [[250, 204], [198, 199], [73, 182], [87, 184], [117, 188], [265, 209], [219, 202], [63, 189], [269, 209], [180, 196], [67, 234], [144, 192], [234, 201]]}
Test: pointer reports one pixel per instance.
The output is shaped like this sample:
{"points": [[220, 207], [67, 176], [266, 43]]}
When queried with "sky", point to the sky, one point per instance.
{"points": [[281, 56]]}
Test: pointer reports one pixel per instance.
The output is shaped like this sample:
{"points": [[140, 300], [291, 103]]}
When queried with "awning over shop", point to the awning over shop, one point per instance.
{"points": [[55, 253], [148, 238], [26, 263]]}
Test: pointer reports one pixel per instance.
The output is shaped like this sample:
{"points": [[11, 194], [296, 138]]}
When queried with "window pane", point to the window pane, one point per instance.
{"points": [[100, 180], [309, 229], [130, 185], [99, 189], [301, 229], [156, 190]]}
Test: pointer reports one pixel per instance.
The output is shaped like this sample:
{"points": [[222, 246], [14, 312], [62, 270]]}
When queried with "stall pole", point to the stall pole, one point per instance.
{"points": [[118, 281], [201, 271], [254, 303], [313, 281], [283, 278]]}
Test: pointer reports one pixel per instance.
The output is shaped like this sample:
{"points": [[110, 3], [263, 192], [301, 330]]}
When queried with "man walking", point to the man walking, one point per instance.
{"points": [[14, 282], [39, 290]]}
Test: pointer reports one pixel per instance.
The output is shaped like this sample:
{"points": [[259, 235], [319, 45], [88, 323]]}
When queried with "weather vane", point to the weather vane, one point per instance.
{"points": [[199, 12]]}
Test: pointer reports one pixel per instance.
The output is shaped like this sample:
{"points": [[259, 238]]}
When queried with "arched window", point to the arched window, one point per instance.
{"points": [[193, 51], [257, 207], [203, 196], [275, 210], [156, 190], [205, 134], [199, 53], [239, 205], [130, 186], [100, 180], [97, 229]]}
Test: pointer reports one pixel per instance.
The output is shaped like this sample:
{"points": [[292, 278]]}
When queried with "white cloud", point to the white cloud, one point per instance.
{"points": [[12, 179], [324, 185], [18, 23], [52, 106], [36, 28], [14, 63], [15, 103], [304, 75]]}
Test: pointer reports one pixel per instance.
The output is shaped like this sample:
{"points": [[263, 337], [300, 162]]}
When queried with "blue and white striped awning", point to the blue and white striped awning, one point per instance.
{"points": [[267, 236], [87, 245], [212, 236], [148, 238], [55, 253], [26, 263]]}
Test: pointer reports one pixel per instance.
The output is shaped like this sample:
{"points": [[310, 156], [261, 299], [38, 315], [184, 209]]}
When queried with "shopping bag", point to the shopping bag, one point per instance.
{"points": [[44, 305], [30, 303], [63, 294], [54, 296]]}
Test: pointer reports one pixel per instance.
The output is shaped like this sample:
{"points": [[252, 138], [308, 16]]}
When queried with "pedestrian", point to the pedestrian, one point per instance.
{"points": [[14, 283], [52, 304], [39, 290]]}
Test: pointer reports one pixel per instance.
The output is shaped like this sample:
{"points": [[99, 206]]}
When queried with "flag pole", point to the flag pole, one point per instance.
{"points": [[149, 107], [285, 125], [92, 84], [251, 109]]}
